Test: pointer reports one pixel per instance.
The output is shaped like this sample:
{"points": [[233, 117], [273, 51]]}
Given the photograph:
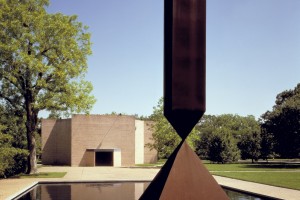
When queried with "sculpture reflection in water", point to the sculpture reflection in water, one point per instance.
{"points": [[105, 191], [184, 176]]}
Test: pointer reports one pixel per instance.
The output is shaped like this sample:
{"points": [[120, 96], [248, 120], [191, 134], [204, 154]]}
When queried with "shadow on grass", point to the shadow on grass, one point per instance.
{"points": [[274, 166]]}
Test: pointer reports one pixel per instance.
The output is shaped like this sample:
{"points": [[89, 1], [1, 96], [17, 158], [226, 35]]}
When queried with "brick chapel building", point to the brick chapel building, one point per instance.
{"points": [[97, 140]]}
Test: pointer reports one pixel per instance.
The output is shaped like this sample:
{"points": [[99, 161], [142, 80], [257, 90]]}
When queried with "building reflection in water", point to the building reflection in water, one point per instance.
{"points": [[91, 191], [105, 191]]}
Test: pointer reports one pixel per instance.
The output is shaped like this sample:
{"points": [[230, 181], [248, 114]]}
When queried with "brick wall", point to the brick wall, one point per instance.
{"points": [[102, 132], [56, 141]]}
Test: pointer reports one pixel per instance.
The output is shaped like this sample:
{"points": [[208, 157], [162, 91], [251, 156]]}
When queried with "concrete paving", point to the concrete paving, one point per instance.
{"points": [[9, 188]]}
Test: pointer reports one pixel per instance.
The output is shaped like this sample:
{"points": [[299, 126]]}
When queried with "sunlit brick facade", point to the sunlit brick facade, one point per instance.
{"points": [[96, 140]]}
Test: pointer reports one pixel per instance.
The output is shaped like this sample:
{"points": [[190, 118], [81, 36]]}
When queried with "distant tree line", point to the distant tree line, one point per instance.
{"points": [[227, 138]]}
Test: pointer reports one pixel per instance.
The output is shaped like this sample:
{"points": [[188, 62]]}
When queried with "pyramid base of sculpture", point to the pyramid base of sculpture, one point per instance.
{"points": [[183, 177]]}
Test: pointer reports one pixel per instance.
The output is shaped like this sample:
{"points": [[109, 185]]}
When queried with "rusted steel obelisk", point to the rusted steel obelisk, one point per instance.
{"points": [[184, 176]]}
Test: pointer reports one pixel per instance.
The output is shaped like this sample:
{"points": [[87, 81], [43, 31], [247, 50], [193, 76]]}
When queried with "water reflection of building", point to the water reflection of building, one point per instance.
{"points": [[96, 140], [92, 191]]}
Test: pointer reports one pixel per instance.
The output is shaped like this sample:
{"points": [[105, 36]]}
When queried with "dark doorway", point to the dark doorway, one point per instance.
{"points": [[104, 158]]}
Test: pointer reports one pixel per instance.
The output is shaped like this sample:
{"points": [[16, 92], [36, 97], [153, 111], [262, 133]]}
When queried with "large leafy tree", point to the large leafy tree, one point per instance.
{"points": [[282, 124], [222, 147], [14, 123], [42, 64], [220, 134], [267, 149], [238, 125], [250, 146], [165, 138]]}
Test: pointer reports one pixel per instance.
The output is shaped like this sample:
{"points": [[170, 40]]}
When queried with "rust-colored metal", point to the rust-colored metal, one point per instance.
{"points": [[184, 176], [189, 179], [154, 190], [184, 63]]}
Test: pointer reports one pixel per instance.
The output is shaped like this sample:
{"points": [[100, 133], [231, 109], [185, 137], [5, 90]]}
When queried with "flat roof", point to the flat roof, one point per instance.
{"points": [[104, 150]]}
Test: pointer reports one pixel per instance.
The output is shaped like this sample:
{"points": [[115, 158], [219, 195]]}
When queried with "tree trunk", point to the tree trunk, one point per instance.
{"points": [[31, 163], [31, 122]]}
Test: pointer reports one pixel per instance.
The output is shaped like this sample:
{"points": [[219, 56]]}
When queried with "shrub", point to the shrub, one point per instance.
{"points": [[12, 160], [218, 146]]}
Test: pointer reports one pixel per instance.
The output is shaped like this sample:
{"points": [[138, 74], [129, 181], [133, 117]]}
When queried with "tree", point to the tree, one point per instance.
{"points": [[165, 138], [14, 123], [42, 64], [238, 125], [267, 145], [224, 130], [11, 159], [222, 147], [282, 124], [205, 127], [250, 146]]}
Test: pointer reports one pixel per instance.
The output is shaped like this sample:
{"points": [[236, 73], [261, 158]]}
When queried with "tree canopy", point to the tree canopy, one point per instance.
{"points": [[164, 135], [219, 135], [282, 124], [43, 60], [250, 146]]}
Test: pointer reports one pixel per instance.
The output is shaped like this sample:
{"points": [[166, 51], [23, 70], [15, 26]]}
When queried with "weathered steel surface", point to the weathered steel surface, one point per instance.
{"points": [[184, 177], [184, 63]]}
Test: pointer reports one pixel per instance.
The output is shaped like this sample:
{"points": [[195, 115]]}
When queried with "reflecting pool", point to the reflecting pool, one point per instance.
{"points": [[104, 191]]}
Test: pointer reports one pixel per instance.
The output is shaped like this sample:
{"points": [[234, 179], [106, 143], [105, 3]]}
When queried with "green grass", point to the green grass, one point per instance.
{"points": [[282, 179], [279, 174], [146, 165], [276, 174], [252, 167], [44, 175], [161, 162], [158, 164]]}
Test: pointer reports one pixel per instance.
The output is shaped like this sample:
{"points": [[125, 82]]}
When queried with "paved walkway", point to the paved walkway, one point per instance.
{"points": [[11, 187]]}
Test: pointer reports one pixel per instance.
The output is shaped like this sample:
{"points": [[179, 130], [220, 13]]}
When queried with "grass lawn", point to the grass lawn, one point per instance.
{"points": [[159, 163], [276, 174], [282, 179], [282, 174], [252, 167], [44, 175]]}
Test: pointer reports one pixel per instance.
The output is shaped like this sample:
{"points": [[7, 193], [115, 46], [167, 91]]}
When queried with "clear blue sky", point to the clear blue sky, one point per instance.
{"points": [[253, 53]]}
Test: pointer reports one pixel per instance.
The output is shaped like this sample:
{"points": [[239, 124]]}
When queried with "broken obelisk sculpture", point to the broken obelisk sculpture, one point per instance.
{"points": [[184, 176]]}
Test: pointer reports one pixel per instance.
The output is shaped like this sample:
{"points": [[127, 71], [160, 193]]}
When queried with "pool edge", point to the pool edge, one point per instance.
{"points": [[22, 191], [28, 188]]}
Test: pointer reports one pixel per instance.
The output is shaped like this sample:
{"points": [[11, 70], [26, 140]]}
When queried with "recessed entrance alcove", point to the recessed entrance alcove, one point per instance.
{"points": [[104, 157]]}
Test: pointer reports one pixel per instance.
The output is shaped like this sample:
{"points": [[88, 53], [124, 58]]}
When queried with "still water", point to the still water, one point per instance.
{"points": [[105, 191]]}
